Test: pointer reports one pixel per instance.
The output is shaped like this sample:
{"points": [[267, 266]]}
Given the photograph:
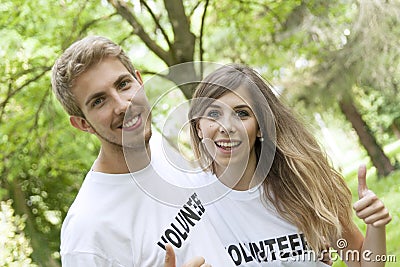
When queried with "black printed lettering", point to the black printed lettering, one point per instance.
{"points": [[266, 250], [270, 243], [189, 214], [304, 242], [244, 250], [282, 247], [294, 243], [180, 228], [182, 221], [182, 235], [234, 252], [197, 204], [169, 233], [162, 245], [258, 252]]}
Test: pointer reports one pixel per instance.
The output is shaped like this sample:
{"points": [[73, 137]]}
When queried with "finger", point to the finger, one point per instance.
{"points": [[326, 258], [382, 222], [362, 180], [195, 262], [376, 206], [383, 214], [368, 199], [169, 256]]}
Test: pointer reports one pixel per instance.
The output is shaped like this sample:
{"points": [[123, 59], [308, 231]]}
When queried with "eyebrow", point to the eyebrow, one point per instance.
{"points": [[235, 107], [214, 106], [242, 106], [94, 96], [115, 84], [121, 78]]}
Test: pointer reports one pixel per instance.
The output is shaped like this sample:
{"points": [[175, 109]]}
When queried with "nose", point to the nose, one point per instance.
{"points": [[227, 125], [121, 104]]}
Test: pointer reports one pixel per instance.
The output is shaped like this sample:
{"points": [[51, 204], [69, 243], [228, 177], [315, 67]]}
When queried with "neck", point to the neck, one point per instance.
{"points": [[118, 160], [236, 176]]}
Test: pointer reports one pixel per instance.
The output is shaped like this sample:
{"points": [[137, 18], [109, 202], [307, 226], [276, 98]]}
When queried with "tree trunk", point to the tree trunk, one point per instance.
{"points": [[180, 49], [375, 152], [41, 252], [396, 130], [185, 77]]}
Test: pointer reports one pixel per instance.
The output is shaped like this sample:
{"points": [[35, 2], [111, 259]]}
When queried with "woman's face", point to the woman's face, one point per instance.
{"points": [[228, 129]]}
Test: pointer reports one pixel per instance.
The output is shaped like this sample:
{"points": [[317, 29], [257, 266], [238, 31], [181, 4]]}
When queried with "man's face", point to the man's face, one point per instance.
{"points": [[114, 104]]}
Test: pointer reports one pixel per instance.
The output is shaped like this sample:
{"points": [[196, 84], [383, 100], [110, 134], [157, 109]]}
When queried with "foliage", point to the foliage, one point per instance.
{"points": [[15, 246], [40, 162], [382, 104], [44, 160], [389, 191]]}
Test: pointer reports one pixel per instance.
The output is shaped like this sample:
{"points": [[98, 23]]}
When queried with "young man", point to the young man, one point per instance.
{"points": [[113, 221]]}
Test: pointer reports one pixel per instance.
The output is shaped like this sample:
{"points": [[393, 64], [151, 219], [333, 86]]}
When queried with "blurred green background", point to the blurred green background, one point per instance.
{"points": [[336, 63]]}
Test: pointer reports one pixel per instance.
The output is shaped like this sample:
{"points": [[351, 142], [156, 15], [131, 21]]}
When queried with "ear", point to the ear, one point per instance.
{"points": [[259, 133], [198, 130], [81, 124], [138, 77]]}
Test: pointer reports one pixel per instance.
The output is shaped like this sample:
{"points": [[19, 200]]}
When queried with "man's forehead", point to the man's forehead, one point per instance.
{"points": [[98, 77]]}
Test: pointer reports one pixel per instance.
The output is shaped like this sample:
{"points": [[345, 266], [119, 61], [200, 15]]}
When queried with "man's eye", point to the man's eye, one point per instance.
{"points": [[124, 84], [97, 102], [242, 113], [213, 114]]}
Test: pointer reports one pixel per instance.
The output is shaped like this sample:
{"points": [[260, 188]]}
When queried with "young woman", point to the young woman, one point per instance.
{"points": [[286, 197]]}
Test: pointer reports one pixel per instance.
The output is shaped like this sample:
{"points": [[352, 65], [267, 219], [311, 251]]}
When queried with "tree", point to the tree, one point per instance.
{"points": [[341, 46], [44, 160], [354, 65], [179, 37], [15, 246], [33, 127]]}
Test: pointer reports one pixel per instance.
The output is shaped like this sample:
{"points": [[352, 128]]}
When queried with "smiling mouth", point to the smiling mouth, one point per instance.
{"points": [[131, 123], [227, 145]]}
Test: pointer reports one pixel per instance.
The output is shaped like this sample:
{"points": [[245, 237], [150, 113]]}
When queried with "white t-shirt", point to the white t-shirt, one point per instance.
{"points": [[252, 232], [116, 221]]}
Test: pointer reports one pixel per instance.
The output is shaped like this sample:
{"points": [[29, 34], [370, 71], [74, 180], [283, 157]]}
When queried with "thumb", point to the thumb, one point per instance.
{"points": [[169, 256], [362, 181]]}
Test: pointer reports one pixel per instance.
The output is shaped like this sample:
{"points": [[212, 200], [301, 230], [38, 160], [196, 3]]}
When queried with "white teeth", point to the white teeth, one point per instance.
{"points": [[131, 122], [227, 144]]}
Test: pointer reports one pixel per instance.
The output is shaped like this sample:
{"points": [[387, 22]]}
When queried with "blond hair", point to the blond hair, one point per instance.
{"points": [[78, 58], [301, 183]]}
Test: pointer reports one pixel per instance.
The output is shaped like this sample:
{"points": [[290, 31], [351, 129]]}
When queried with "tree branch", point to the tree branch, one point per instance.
{"points": [[157, 22], [148, 72], [203, 17], [11, 92], [89, 24], [138, 29], [42, 102], [184, 39], [265, 6], [194, 8]]}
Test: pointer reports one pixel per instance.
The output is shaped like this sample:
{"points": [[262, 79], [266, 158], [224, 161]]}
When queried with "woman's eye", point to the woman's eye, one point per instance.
{"points": [[213, 114], [97, 102], [242, 113]]}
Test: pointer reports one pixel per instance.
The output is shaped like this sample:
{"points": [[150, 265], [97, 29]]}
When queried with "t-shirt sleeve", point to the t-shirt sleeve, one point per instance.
{"points": [[82, 259]]}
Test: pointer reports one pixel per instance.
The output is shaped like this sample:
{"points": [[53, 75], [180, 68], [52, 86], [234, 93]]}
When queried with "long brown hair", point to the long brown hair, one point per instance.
{"points": [[301, 183]]}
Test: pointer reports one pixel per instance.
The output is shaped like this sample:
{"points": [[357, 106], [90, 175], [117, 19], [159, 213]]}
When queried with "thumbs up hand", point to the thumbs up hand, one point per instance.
{"points": [[369, 207], [170, 261]]}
